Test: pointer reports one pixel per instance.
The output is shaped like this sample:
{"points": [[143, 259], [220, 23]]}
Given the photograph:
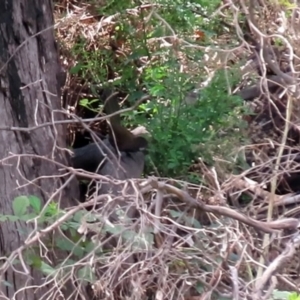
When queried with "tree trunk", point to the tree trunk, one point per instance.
{"points": [[29, 97]]}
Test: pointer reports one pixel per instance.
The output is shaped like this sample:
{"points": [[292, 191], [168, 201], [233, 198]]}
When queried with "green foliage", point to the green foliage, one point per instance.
{"points": [[293, 296], [27, 208], [183, 17], [89, 104], [182, 132]]}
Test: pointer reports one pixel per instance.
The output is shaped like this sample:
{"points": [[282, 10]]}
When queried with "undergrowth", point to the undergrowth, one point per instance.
{"points": [[211, 126]]}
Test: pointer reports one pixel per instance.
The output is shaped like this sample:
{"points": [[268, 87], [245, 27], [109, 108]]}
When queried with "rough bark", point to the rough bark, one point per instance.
{"points": [[29, 96]]}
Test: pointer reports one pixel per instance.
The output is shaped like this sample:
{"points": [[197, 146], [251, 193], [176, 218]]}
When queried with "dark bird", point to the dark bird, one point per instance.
{"points": [[120, 156], [119, 136]]}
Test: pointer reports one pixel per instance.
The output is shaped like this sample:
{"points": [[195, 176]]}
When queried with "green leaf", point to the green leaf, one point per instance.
{"points": [[73, 225], [174, 213], [76, 69], [13, 218], [36, 262], [84, 102], [47, 269], [90, 247], [282, 295], [200, 287], [86, 273], [6, 283], [3, 218], [27, 217], [88, 216], [113, 229], [35, 203], [20, 205], [51, 210], [223, 298], [129, 235], [67, 245], [196, 223], [78, 215], [74, 234]]}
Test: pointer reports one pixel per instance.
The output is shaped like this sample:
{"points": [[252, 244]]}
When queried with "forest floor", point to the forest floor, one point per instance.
{"points": [[222, 238]]}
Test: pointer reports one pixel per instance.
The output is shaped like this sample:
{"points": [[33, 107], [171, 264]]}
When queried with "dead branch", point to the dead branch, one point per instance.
{"points": [[267, 227]]}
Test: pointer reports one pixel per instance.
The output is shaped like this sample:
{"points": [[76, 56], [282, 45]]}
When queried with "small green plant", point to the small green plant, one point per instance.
{"points": [[210, 127], [29, 209], [66, 236]]}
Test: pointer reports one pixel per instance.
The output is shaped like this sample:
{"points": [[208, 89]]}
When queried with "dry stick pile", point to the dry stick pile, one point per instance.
{"points": [[176, 240]]}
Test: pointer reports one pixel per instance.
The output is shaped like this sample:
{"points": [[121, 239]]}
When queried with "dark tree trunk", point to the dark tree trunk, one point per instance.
{"points": [[29, 96]]}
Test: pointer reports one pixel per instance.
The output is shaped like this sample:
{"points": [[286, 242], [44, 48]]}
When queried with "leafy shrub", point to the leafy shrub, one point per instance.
{"points": [[180, 131]]}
